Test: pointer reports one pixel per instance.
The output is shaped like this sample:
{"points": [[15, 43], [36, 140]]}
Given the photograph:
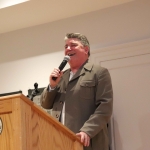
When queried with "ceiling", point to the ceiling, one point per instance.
{"points": [[36, 12]]}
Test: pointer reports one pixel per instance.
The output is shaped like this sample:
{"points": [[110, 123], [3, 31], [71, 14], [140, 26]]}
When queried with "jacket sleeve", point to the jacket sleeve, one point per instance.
{"points": [[103, 100], [47, 98]]}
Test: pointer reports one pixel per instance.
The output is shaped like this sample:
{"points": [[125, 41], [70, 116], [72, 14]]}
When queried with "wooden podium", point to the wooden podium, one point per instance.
{"points": [[26, 126]]}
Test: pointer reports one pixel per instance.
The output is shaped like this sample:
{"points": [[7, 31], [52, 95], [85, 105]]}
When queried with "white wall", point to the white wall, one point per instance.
{"points": [[107, 27], [129, 67], [22, 74], [29, 55], [24, 54]]}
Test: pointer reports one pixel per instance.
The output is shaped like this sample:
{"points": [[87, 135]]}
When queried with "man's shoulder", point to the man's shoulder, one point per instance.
{"points": [[95, 67]]}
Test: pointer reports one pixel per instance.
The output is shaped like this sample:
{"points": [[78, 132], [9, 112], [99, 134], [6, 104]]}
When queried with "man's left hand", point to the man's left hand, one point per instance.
{"points": [[85, 139]]}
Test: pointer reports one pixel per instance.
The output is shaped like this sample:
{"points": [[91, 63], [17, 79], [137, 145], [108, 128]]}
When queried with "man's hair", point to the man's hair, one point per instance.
{"points": [[80, 37]]}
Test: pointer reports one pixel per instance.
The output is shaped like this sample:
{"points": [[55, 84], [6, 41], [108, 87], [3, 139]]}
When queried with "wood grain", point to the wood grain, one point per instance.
{"points": [[6, 137], [5, 106], [28, 127]]}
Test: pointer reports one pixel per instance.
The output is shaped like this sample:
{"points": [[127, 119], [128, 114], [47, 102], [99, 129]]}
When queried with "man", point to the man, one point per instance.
{"points": [[81, 97]]}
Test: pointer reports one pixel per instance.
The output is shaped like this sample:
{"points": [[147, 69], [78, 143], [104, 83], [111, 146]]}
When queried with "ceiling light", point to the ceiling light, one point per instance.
{"points": [[7, 3]]}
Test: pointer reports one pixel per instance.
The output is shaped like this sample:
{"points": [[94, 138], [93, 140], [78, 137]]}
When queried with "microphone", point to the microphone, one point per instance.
{"points": [[62, 65]]}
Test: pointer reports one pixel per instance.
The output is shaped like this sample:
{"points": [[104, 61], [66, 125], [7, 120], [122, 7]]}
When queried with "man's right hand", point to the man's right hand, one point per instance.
{"points": [[56, 73]]}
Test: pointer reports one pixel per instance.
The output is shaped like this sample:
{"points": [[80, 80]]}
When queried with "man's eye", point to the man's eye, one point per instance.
{"points": [[73, 45]]}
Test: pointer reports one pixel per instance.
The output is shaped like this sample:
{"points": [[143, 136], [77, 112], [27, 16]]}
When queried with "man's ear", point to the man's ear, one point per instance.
{"points": [[86, 49]]}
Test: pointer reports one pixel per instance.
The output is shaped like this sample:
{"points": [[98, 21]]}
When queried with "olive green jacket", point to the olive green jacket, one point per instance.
{"points": [[88, 100]]}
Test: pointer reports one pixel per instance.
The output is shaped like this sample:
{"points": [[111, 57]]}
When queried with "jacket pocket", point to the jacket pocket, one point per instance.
{"points": [[87, 89]]}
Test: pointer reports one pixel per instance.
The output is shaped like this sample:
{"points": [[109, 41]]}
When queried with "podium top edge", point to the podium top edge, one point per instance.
{"points": [[12, 96], [11, 93]]}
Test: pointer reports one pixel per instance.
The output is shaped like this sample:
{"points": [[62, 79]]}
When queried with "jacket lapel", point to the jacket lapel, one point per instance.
{"points": [[65, 78], [86, 67]]}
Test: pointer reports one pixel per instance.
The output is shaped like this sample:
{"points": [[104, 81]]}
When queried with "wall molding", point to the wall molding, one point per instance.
{"points": [[131, 50]]}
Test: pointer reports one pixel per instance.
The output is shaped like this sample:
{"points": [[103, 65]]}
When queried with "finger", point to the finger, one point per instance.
{"points": [[56, 73], [78, 134], [61, 73], [82, 138], [88, 143], [86, 140], [56, 69]]}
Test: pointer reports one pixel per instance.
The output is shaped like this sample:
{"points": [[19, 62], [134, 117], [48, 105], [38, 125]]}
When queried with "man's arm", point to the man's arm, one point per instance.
{"points": [[104, 101], [47, 98], [49, 93]]}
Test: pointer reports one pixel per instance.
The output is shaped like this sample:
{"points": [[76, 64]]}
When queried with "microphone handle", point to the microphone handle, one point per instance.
{"points": [[61, 67]]}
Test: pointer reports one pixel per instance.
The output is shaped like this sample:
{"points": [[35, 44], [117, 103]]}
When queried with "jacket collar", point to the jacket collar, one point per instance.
{"points": [[87, 66]]}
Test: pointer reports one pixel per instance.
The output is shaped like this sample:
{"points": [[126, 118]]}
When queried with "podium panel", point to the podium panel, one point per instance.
{"points": [[25, 126]]}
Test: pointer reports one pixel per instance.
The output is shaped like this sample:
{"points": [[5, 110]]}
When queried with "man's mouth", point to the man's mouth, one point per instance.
{"points": [[71, 54]]}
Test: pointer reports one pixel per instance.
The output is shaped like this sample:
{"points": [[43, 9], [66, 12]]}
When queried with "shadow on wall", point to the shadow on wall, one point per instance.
{"points": [[144, 127], [117, 137]]}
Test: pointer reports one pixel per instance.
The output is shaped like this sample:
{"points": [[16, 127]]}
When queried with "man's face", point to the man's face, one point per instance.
{"points": [[75, 49]]}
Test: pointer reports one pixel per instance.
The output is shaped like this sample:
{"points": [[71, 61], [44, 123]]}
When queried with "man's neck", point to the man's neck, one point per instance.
{"points": [[75, 68]]}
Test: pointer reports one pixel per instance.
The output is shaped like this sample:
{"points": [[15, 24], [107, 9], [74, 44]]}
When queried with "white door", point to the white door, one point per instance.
{"points": [[131, 84]]}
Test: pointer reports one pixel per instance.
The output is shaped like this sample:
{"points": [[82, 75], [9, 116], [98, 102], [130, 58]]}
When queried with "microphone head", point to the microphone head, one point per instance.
{"points": [[67, 58]]}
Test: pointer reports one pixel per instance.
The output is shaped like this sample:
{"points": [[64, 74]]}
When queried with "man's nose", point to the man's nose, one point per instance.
{"points": [[68, 48]]}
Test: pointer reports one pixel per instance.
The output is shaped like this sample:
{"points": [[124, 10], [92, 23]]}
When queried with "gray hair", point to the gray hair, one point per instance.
{"points": [[80, 37]]}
